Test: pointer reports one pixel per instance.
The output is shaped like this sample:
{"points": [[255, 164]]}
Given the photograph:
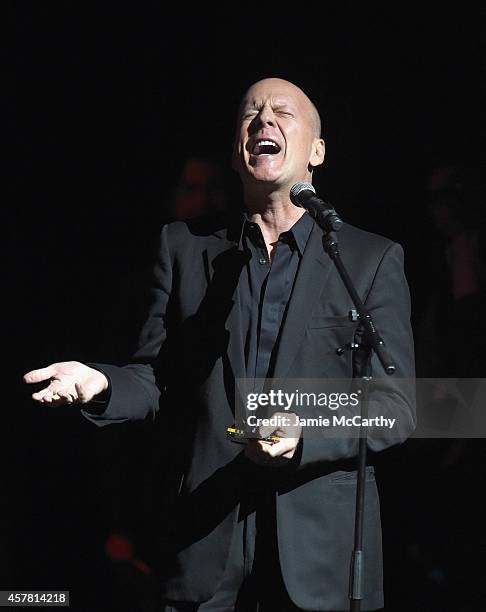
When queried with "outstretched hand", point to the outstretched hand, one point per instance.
{"points": [[70, 382]]}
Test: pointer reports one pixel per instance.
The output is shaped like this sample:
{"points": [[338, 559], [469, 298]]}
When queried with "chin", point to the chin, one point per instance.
{"points": [[267, 175]]}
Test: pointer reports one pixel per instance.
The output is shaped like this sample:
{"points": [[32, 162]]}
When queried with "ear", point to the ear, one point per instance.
{"points": [[318, 152]]}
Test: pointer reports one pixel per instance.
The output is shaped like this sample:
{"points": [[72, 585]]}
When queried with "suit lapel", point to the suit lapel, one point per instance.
{"points": [[311, 278], [224, 258]]}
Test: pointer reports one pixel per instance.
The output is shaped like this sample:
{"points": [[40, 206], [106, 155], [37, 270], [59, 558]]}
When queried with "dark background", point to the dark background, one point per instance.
{"points": [[104, 103]]}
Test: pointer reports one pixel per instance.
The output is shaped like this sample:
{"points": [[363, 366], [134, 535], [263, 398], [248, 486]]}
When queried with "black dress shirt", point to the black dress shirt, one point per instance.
{"points": [[265, 289]]}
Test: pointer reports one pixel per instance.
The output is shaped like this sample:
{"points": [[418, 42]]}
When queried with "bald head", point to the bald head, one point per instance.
{"points": [[281, 87], [277, 140]]}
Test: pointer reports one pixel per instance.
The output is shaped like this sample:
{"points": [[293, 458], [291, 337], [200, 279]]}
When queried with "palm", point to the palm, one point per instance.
{"points": [[69, 382]]}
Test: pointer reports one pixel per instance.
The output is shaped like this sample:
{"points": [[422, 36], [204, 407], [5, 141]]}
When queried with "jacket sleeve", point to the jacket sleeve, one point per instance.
{"points": [[135, 388], [388, 301]]}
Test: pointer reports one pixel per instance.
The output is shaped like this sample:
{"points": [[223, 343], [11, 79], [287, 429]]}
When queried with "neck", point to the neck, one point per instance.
{"points": [[274, 212]]}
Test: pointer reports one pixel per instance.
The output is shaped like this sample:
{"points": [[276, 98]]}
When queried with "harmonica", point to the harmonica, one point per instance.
{"points": [[239, 436]]}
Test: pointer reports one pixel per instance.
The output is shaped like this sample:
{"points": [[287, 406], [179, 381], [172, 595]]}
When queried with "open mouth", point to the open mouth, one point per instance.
{"points": [[265, 147]]}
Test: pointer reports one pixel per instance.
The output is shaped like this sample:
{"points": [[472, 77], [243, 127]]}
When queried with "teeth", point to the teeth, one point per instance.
{"points": [[266, 142], [258, 148]]}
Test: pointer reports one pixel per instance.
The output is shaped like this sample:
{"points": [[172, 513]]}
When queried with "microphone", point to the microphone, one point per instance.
{"points": [[304, 195]]}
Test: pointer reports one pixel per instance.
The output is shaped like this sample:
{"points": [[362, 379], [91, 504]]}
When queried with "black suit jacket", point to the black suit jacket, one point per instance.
{"points": [[190, 353]]}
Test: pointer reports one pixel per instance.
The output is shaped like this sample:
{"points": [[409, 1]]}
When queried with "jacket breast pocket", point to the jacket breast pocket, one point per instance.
{"points": [[326, 351], [321, 322]]}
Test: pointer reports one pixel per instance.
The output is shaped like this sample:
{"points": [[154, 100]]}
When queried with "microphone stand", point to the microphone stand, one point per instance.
{"points": [[373, 342]]}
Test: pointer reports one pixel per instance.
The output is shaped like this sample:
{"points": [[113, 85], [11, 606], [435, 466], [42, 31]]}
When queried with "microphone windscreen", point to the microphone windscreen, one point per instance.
{"points": [[297, 188]]}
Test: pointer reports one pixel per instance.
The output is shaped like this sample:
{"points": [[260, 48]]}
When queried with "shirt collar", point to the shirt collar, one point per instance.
{"points": [[299, 232]]}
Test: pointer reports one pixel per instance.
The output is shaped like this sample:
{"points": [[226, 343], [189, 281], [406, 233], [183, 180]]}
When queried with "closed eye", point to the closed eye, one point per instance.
{"points": [[284, 111]]}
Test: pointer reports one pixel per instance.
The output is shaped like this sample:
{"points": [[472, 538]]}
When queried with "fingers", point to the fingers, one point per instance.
{"points": [[287, 426], [66, 397], [271, 454], [56, 393], [56, 400], [62, 392], [44, 395], [41, 374], [285, 448]]}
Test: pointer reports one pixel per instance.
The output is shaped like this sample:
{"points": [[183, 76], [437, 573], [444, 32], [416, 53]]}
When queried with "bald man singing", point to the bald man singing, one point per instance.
{"points": [[265, 526]]}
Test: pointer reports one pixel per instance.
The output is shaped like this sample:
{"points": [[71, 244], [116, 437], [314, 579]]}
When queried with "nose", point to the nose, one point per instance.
{"points": [[266, 116]]}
